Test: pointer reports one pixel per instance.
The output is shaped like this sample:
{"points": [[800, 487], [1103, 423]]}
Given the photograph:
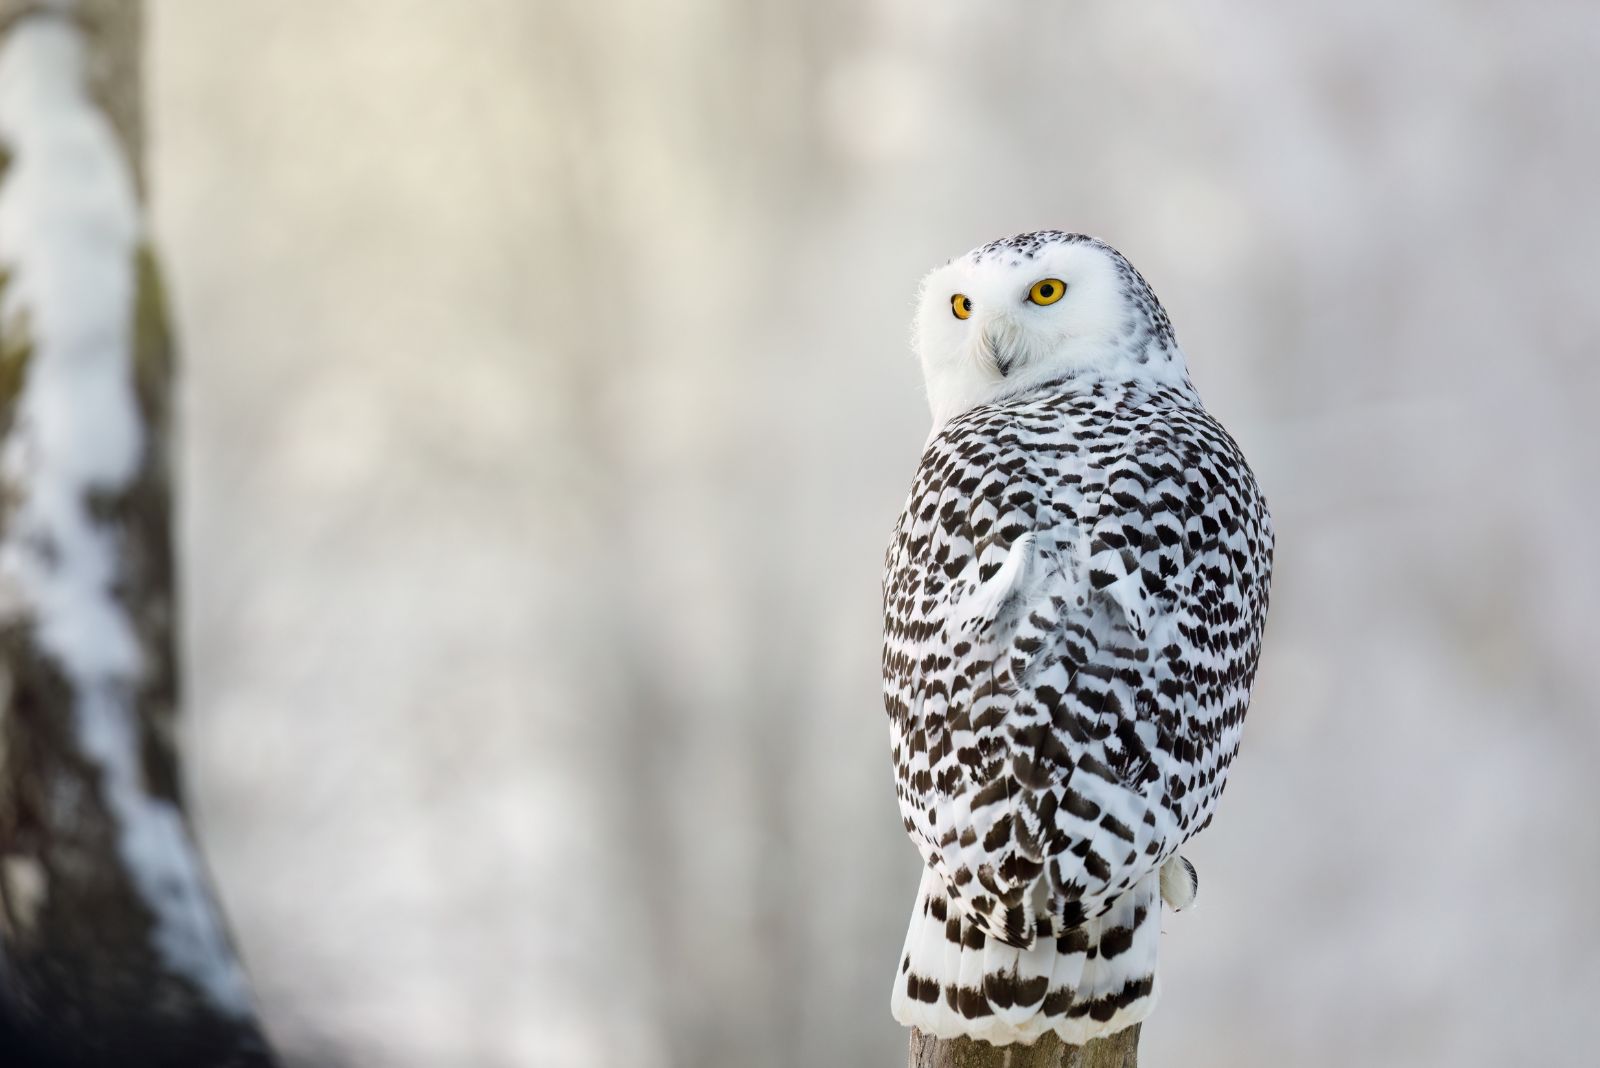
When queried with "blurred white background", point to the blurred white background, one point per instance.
{"points": [[548, 404]]}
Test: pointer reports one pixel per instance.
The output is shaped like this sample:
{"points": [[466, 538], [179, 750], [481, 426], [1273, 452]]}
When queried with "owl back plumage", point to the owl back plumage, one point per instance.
{"points": [[1074, 600]]}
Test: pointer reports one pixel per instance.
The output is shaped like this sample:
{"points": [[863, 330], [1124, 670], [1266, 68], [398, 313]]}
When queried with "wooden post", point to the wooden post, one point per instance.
{"points": [[113, 949], [1120, 1050]]}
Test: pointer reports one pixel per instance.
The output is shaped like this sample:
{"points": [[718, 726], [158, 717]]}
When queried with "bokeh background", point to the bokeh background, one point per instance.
{"points": [[548, 403]]}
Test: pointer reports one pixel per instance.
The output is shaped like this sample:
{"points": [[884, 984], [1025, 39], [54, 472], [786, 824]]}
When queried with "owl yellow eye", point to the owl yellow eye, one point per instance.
{"points": [[961, 305], [1047, 291]]}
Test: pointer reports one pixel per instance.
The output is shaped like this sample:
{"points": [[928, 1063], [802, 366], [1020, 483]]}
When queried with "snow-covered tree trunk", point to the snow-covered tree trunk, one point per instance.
{"points": [[112, 947]]}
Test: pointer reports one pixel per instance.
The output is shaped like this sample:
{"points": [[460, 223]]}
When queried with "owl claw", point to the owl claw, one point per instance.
{"points": [[1180, 883]]}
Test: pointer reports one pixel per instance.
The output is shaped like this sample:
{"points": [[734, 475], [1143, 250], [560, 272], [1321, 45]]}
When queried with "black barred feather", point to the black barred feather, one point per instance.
{"points": [[1074, 601]]}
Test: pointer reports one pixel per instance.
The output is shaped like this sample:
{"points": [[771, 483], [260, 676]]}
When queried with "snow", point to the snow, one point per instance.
{"points": [[69, 233]]}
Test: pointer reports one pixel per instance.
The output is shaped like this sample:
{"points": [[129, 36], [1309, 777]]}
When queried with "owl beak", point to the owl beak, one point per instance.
{"points": [[999, 340]]}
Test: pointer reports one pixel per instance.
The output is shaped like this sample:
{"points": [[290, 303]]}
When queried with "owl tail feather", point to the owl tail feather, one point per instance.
{"points": [[1090, 982]]}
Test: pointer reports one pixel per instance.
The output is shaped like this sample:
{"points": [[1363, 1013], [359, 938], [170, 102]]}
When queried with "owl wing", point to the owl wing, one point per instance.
{"points": [[1074, 706]]}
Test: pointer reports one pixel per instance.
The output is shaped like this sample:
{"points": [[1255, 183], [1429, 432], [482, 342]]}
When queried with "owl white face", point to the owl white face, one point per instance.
{"points": [[1021, 311]]}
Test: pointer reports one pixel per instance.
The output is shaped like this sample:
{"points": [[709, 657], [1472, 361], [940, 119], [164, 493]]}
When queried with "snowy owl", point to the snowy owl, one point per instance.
{"points": [[1073, 603]]}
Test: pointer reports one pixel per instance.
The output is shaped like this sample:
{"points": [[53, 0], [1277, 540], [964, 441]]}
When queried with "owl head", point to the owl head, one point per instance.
{"points": [[1026, 310]]}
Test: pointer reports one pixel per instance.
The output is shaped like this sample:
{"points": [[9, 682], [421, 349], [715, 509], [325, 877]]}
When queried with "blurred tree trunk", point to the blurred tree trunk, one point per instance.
{"points": [[112, 947], [1121, 1050]]}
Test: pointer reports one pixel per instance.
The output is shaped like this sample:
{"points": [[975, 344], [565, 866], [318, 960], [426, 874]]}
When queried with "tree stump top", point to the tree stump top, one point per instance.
{"points": [[1120, 1050]]}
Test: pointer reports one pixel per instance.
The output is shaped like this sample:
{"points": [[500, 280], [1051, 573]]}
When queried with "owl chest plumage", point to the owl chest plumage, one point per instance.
{"points": [[1073, 603]]}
